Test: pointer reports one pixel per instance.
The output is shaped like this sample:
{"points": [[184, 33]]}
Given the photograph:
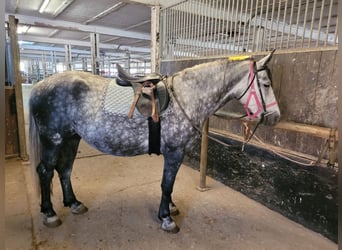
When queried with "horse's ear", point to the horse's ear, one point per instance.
{"points": [[264, 61]]}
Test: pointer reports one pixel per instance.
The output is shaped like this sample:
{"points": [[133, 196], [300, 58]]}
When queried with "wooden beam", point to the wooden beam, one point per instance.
{"points": [[72, 26], [283, 151], [12, 27], [318, 131]]}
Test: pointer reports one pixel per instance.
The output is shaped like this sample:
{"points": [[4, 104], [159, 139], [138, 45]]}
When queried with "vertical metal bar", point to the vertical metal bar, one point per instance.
{"points": [[214, 31], [197, 27], [95, 51], [155, 30], [228, 16], [174, 34], [249, 26], [170, 35], [297, 23], [205, 28], [290, 24], [328, 23], [320, 22], [231, 26], [284, 23], [255, 24], [67, 56], [235, 14], [304, 23], [192, 21], [202, 26], [240, 24], [183, 27], [244, 27], [267, 30], [312, 22], [222, 22], [175, 29], [336, 29], [258, 22], [276, 32], [211, 32], [163, 47]]}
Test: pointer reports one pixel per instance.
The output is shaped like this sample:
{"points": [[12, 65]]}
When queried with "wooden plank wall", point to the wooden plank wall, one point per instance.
{"points": [[11, 124], [305, 84]]}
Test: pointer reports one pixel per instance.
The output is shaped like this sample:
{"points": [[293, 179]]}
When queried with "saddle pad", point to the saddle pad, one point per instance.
{"points": [[117, 100]]}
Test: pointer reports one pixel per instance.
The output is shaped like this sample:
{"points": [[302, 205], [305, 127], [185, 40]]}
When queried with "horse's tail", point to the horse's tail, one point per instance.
{"points": [[35, 150]]}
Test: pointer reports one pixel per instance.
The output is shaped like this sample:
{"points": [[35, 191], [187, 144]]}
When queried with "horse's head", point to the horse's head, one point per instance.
{"points": [[258, 97]]}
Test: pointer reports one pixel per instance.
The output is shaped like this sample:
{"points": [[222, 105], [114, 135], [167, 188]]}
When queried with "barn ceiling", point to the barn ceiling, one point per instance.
{"points": [[123, 26]]}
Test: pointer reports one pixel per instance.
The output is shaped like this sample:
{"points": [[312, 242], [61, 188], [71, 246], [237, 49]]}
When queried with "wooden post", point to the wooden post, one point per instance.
{"points": [[204, 157], [12, 27], [332, 148]]}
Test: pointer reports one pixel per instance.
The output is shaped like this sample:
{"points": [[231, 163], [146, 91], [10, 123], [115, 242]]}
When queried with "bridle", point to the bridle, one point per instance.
{"points": [[262, 106]]}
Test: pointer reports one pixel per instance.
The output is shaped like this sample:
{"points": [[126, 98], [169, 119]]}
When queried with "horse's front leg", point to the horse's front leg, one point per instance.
{"points": [[172, 160]]}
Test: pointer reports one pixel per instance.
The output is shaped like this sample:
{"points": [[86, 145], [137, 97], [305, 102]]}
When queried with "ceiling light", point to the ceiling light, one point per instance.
{"points": [[62, 7], [22, 29], [43, 6]]}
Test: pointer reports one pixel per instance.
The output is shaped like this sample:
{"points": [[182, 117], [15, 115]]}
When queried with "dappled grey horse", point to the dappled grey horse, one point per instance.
{"points": [[69, 106]]}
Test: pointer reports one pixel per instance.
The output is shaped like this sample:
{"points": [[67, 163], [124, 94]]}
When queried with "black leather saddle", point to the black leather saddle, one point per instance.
{"points": [[150, 93]]}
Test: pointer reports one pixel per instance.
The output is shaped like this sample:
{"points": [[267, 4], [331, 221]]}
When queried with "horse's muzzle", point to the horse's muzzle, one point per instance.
{"points": [[271, 118]]}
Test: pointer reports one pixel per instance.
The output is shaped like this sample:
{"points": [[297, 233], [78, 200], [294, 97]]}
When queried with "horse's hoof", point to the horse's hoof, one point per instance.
{"points": [[78, 209], [53, 221], [173, 210], [168, 225]]}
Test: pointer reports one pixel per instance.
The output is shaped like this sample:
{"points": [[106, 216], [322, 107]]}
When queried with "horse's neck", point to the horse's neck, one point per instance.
{"points": [[203, 89]]}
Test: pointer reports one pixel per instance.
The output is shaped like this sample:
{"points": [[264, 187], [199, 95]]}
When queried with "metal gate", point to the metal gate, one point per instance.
{"points": [[203, 28]]}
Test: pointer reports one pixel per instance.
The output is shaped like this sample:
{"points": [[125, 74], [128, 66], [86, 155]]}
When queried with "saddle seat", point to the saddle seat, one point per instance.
{"points": [[150, 93]]}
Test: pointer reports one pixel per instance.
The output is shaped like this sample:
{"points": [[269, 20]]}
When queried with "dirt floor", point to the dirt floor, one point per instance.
{"points": [[123, 196]]}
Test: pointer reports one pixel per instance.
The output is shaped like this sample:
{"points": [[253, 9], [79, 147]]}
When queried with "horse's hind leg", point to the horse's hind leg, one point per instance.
{"points": [[64, 167], [45, 170], [172, 161]]}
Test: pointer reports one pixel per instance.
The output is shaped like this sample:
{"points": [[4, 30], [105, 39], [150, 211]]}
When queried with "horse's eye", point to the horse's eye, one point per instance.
{"points": [[267, 85]]}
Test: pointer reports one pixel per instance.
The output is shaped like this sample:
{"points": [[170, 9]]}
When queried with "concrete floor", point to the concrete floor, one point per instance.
{"points": [[123, 196]]}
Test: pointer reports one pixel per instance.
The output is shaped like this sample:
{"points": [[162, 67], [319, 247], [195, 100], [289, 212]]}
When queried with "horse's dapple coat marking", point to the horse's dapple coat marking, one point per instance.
{"points": [[69, 106], [117, 100]]}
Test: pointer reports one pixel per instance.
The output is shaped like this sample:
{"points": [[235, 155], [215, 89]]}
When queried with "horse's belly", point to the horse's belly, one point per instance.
{"points": [[117, 135]]}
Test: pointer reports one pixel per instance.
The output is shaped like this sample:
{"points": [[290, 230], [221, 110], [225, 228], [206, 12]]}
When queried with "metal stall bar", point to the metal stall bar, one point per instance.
{"points": [[202, 28], [328, 23], [297, 23], [320, 22]]}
